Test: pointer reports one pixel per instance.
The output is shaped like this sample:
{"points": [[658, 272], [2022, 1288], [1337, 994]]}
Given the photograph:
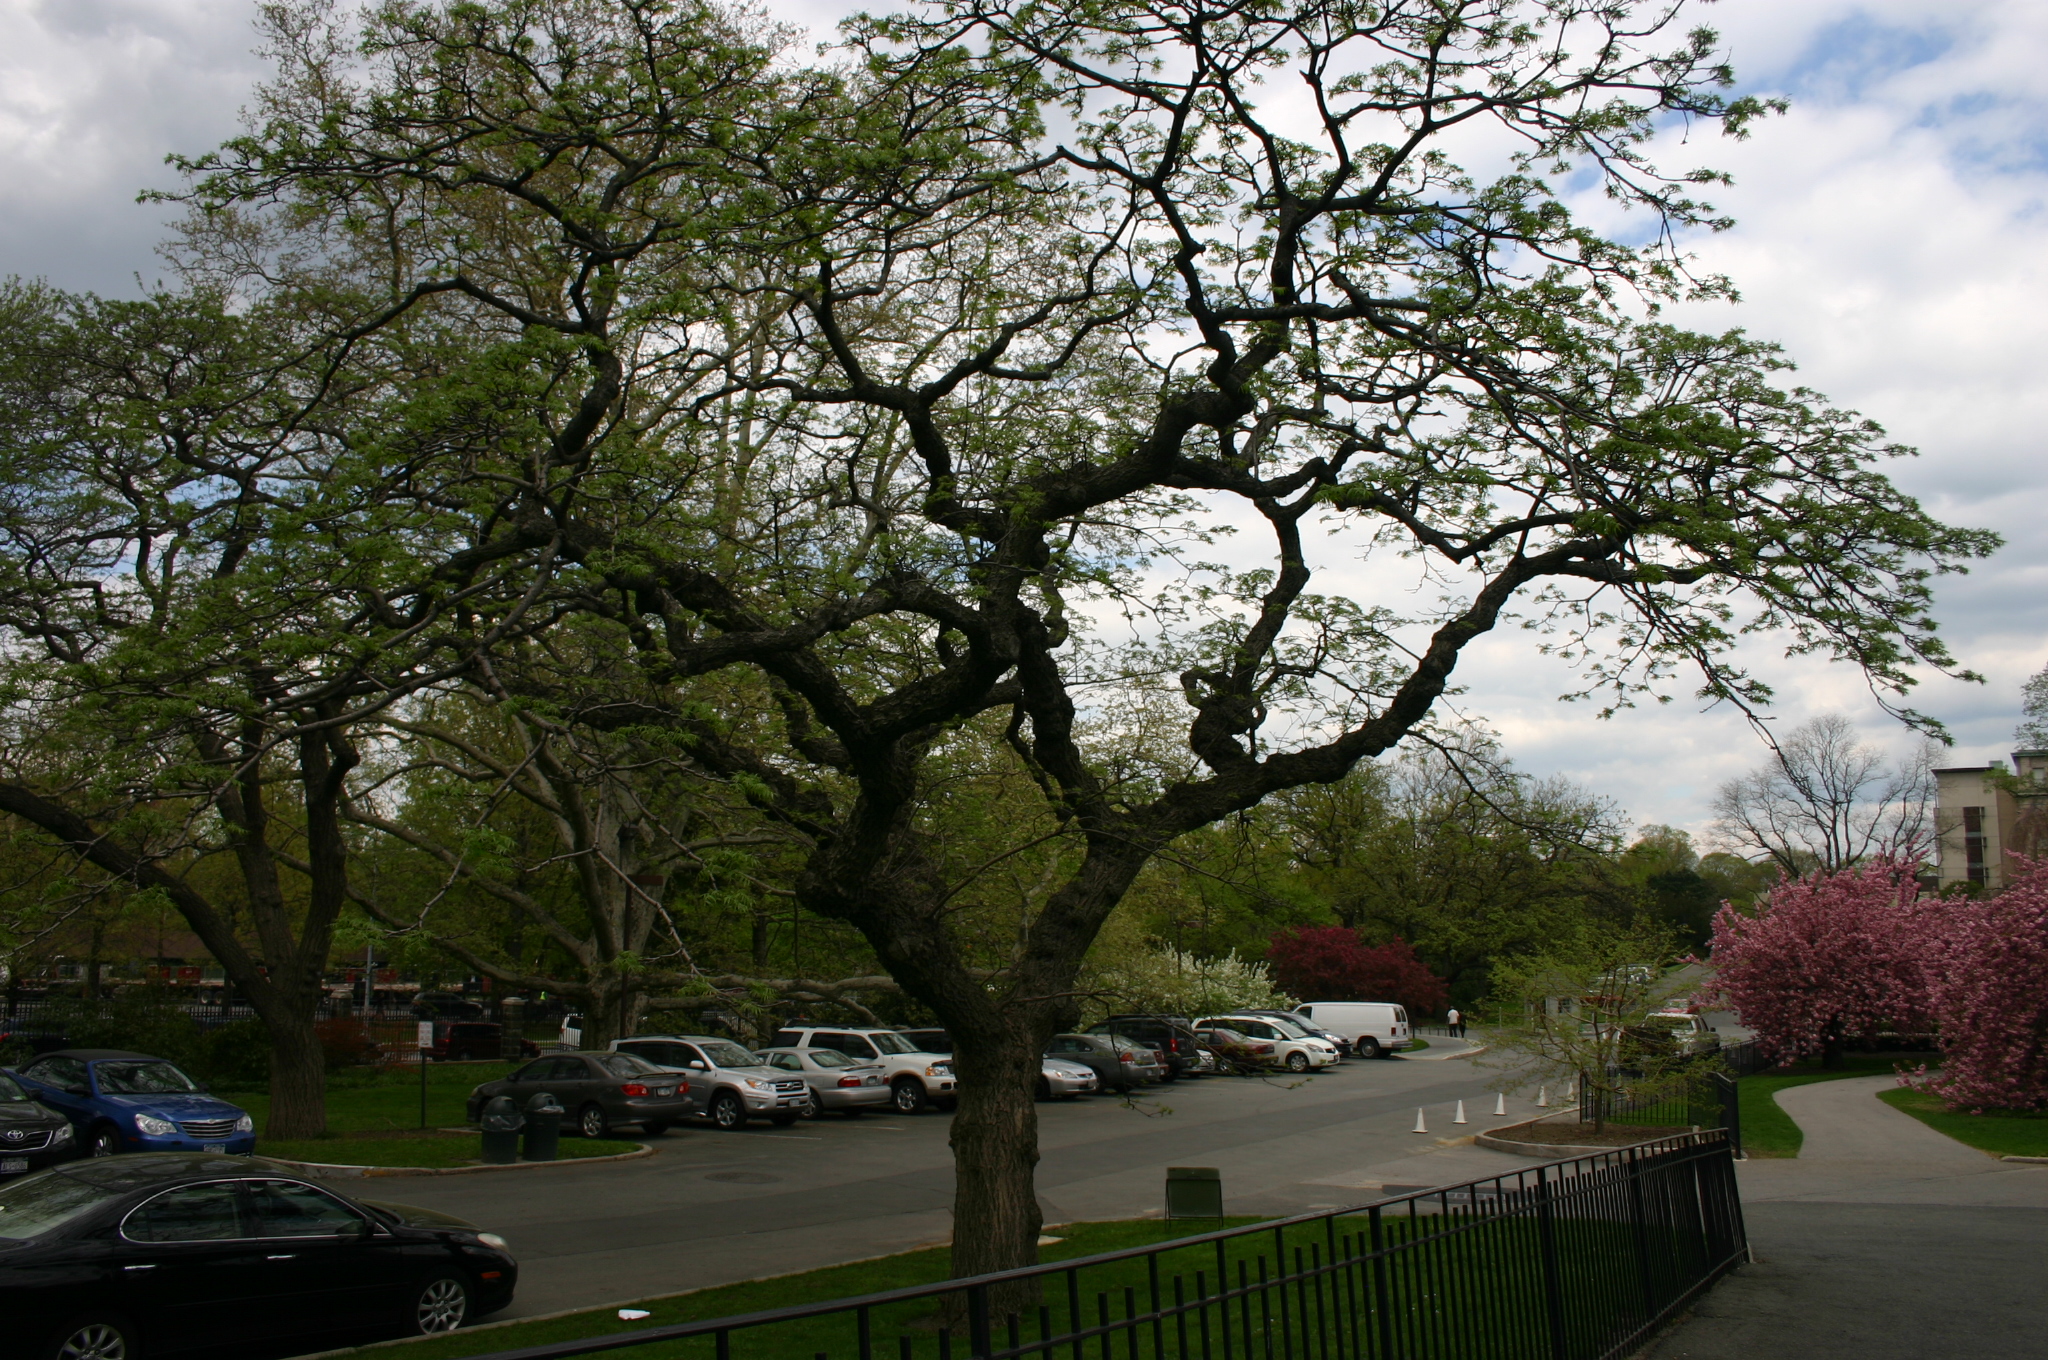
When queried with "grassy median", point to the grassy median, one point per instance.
{"points": [[2004, 1134], [365, 1100]]}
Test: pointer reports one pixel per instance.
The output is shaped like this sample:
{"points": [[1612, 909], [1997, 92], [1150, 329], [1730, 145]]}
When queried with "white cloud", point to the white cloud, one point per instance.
{"points": [[1892, 231]]}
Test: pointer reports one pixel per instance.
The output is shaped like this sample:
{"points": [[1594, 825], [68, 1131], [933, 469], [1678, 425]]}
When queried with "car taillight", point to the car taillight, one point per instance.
{"points": [[1125, 1057], [851, 1081], [633, 1088]]}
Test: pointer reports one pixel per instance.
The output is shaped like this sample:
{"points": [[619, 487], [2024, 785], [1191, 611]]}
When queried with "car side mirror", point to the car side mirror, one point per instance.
{"points": [[358, 1231], [698, 1064]]}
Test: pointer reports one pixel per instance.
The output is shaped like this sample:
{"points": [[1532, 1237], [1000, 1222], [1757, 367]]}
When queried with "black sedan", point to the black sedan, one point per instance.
{"points": [[165, 1252], [597, 1090], [32, 1136]]}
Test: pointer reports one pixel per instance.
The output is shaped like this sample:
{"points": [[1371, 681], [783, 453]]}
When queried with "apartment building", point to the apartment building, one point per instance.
{"points": [[1983, 813]]}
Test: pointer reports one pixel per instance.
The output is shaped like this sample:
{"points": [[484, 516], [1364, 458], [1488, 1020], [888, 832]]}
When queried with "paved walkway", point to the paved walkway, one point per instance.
{"points": [[1882, 1240]]}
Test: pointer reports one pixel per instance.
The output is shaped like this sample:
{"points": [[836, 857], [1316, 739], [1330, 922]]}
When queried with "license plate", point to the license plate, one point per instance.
{"points": [[213, 1147], [664, 1090], [12, 1164]]}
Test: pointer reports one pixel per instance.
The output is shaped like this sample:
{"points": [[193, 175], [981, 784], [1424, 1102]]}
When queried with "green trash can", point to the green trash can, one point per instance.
{"points": [[543, 1128], [1194, 1192], [501, 1124]]}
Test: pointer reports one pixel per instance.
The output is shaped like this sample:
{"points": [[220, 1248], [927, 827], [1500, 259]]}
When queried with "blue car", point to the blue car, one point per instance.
{"points": [[131, 1102]]}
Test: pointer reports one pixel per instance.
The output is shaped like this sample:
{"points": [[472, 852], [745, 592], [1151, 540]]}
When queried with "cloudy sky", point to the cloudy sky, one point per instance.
{"points": [[1892, 233]]}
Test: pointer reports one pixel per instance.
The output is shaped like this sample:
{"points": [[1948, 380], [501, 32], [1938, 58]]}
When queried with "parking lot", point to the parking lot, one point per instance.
{"points": [[714, 1207]]}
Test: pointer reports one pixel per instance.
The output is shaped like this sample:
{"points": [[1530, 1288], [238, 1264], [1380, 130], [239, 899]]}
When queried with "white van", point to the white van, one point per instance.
{"points": [[1372, 1028]]}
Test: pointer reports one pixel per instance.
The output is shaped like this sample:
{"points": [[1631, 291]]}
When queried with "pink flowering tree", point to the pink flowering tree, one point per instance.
{"points": [[1827, 959], [1989, 985]]}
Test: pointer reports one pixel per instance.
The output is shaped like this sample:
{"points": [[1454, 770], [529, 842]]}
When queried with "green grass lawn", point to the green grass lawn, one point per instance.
{"points": [[1767, 1131], [2008, 1135], [360, 1101], [413, 1149]]}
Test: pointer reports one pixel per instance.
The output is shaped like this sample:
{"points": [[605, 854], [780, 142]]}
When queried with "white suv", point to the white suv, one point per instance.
{"points": [[916, 1078], [1294, 1049]]}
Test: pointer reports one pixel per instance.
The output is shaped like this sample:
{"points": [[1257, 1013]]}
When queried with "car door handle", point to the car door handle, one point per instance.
{"points": [[147, 1267], [288, 1256]]}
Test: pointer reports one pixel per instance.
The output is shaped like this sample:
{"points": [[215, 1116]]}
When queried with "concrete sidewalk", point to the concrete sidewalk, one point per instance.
{"points": [[1882, 1240]]}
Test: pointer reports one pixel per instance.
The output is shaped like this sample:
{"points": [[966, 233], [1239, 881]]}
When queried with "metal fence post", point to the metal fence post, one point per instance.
{"points": [[1553, 1281], [1730, 1092], [1381, 1310], [978, 1343]]}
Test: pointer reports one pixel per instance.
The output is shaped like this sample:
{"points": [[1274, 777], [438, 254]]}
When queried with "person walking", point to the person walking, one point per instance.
{"points": [[1455, 1022]]}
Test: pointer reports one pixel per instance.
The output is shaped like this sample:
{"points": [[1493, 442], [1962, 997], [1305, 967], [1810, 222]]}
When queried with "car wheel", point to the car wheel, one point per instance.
{"points": [[105, 1141], [1297, 1061], [810, 1113], [440, 1307], [94, 1338], [1367, 1046], [907, 1094], [1044, 1089], [593, 1121], [654, 1128], [727, 1112]]}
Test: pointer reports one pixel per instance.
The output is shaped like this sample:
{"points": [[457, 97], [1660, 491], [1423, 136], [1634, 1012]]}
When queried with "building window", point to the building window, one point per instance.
{"points": [[1973, 845]]}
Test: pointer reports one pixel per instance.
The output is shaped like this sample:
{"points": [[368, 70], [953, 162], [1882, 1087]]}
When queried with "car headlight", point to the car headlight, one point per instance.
{"points": [[938, 1070], [246, 1124], [494, 1241], [61, 1136], [150, 1124], [757, 1085]]}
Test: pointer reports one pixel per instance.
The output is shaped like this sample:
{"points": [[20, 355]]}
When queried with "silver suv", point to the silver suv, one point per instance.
{"points": [[727, 1083], [916, 1078]]}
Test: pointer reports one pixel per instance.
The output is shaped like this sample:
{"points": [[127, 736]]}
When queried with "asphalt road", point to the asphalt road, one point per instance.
{"points": [[712, 1208]]}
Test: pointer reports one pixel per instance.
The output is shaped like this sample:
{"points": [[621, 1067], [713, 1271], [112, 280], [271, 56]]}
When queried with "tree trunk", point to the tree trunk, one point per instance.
{"points": [[298, 1076], [995, 1154]]}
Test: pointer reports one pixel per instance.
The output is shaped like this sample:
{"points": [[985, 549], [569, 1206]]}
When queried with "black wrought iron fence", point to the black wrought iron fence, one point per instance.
{"points": [[1702, 1100], [1574, 1260]]}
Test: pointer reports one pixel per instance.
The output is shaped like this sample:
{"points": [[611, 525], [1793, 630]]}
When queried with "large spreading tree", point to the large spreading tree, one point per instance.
{"points": [[912, 397]]}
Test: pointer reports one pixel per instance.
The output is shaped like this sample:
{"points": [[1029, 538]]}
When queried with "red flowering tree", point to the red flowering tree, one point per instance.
{"points": [[1989, 985], [1330, 963], [1828, 958]]}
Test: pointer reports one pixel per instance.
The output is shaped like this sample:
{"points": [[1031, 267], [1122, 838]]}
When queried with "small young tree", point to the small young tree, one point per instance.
{"points": [[1989, 986], [1828, 958], [1333, 963], [1569, 1015]]}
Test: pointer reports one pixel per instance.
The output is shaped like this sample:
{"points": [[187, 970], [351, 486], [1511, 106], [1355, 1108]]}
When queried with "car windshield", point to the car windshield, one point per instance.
{"points": [[31, 1207], [1671, 1021], [830, 1057], [142, 1079], [9, 1091], [626, 1065], [892, 1043], [1291, 1030], [727, 1055]]}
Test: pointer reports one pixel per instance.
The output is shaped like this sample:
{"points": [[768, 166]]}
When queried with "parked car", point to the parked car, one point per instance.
{"points": [[1170, 1036], [130, 1102], [1292, 1047], [726, 1084], [1233, 1052], [1374, 1029], [32, 1136], [1065, 1079], [917, 1077], [928, 1040], [599, 1090], [838, 1083], [167, 1252], [1301, 1022], [1662, 1032], [1120, 1065]]}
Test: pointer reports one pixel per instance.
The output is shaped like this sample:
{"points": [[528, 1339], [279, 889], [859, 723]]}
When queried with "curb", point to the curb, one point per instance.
{"points": [[343, 1171], [2030, 1161]]}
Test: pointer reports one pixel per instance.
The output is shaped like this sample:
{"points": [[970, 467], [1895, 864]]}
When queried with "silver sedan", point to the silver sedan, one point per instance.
{"points": [[1063, 1080], [837, 1082]]}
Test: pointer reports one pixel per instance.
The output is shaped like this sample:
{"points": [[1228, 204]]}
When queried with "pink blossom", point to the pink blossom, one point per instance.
{"points": [[1988, 981], [1827, 958]]}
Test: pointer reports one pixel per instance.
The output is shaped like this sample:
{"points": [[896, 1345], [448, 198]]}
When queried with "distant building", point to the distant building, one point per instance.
{"points": [[1985, 812]]}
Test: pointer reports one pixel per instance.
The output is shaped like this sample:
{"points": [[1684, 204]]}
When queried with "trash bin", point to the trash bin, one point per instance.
{"points": [[1194, 1192], [501, 1123], [543, 1128]]}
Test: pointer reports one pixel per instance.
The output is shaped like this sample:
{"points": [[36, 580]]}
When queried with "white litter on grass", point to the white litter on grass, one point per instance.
{"points": [[633, 1314], [1048, 1241]]}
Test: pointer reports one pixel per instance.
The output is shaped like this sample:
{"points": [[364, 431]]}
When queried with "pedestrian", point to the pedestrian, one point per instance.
{"points": [[1456, 1023]]}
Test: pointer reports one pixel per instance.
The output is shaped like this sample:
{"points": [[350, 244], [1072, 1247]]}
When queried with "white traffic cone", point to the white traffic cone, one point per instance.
{"points": [[1571, 1092], [1461, 1119], [1420, 1127], [1543, 1097], [1500, 1103]]}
